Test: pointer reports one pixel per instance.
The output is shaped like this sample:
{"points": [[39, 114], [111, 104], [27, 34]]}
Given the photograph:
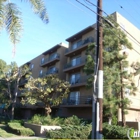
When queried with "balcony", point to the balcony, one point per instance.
{"points": [[81, 101], [52, 59], [23, 82], [22, 93], [79, 46], [50, 71], [74, 64], [78, 81]]}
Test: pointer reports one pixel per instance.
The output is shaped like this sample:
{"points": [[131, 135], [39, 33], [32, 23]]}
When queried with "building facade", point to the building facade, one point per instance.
{"points": [[68, 62]]}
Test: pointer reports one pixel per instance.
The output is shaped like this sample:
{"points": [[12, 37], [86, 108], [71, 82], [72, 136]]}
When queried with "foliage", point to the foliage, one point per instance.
{"points": [[4, 134], [10, 17], [45, 120], [10, 76], [4, 120], [116, 79], [71, 132], [114, 131], [21, 122], [50, 90], [17, 128], [48, 120], [73, 120]]}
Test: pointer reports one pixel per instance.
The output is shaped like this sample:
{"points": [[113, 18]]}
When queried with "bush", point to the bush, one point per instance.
{"points": [[17, 128], [73, 120], [18, 121], [46, 120], [114, 131], [70, 132]]}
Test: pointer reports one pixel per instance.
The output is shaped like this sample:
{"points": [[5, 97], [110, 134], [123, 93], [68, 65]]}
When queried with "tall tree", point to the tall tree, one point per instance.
{"points": [[10, 76], [49, 90], [10, 17], [118, 80]]}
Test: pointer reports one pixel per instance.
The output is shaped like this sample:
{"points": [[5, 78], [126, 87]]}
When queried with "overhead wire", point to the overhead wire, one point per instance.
{"points": [[79, 8], [104, 18], [127, 11], [108, 28], [115, 22]]}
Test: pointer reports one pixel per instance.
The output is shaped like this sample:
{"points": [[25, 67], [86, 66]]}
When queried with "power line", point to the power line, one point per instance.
{"points": [[108, 22], [115, 22], [127, 11], [79, 8]]}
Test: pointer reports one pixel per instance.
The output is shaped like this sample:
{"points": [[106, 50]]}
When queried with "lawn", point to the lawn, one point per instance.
{"points": [[5, 134]]}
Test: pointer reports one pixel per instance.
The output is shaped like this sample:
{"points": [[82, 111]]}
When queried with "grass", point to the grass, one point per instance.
{"points": [[4, 133]]}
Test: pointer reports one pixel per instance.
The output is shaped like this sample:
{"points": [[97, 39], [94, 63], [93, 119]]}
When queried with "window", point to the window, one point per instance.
{"points": [[76, 61], [52, 70], [42, 60], [75, 98], [77, 44], [123, 47], [75, 78], [127, 91], [32, 66], [53, 56], [41, 73]]}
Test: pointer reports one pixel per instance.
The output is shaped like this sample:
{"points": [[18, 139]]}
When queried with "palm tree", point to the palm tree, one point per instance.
{"points": [[10, 17]]}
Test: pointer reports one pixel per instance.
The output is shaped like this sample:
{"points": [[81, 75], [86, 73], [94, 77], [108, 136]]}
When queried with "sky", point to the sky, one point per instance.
{"points": [[66, 17]]}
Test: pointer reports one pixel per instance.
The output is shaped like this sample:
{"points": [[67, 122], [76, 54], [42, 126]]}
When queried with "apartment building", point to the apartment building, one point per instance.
{"points": [[49, 62], [68, 62], [133, 34], [79, 101]]}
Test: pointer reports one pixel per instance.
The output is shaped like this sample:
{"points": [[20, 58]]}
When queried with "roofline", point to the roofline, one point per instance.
{"points": [[54, 48], [80, 33]]}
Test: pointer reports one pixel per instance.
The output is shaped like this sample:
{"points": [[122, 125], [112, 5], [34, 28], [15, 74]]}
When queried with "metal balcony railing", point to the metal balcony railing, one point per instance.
{"points": [[22, 82], [77, 80], [81, 100], [51, 58], [80, 44], [51, 71], [77, 62]]}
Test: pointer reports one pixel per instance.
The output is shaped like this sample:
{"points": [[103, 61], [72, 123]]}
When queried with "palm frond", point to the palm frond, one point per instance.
{"points": [[39, 9], [13, 22], [1, 14]]}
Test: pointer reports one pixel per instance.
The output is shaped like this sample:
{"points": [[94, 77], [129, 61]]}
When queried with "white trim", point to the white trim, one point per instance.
{"points": [[100, 84]]}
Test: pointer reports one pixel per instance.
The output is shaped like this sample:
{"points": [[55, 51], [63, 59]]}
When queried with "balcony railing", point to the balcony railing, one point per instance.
{"points": [[23, 82], [55, 56], [77, 80], [51, 71], [77, 62], [81, 100], [79, 44]]}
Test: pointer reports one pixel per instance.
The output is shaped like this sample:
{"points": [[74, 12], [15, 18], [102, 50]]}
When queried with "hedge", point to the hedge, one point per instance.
{"points": [[17, 128], [71, 132]]}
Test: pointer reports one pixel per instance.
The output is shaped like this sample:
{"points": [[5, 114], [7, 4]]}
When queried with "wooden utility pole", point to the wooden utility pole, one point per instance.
{"points": [[99, 111]]}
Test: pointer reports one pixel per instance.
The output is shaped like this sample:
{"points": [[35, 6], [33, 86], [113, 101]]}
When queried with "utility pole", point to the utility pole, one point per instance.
{"points": [[99, 109]]}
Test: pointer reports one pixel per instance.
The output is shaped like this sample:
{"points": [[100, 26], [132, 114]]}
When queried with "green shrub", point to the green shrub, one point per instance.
{"points": [[70, 132], [18, 121], [73, 120], [17, 128], [46, 120], [114, 131]]}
